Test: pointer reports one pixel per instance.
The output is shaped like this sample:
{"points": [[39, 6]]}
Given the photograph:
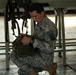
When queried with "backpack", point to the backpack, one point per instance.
{"points": [[21, 49]]}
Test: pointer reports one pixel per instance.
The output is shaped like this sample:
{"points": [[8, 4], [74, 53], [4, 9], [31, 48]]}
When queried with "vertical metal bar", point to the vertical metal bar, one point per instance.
{"points": [[59, 23], [63, 35], [56, 17], [6, 39]]}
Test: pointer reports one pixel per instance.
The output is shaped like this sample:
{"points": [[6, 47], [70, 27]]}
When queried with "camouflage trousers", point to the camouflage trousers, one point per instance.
{"points": [[27, 63]]}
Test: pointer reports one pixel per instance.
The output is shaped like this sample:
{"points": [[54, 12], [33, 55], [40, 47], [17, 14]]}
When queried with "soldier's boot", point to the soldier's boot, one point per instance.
{"points": [[51, 69], [33, 72]]}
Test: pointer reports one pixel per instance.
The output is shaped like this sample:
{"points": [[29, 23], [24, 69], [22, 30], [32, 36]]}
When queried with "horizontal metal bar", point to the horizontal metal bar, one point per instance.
{"points": [[2, 53], [60, 50]]}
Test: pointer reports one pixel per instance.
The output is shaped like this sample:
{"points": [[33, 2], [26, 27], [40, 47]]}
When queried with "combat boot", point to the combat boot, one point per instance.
{"points": [[51, 69]]}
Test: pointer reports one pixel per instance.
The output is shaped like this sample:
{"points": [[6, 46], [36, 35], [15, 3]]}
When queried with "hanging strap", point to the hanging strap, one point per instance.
{"points": [[24, 24], [17, 26]]}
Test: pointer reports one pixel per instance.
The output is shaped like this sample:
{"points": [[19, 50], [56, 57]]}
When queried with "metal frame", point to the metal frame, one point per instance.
{"points": [[59, 20], [62, 41]]}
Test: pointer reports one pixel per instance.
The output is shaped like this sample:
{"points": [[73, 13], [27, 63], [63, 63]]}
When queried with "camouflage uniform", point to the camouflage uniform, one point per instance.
{"points": [[45, 38]]}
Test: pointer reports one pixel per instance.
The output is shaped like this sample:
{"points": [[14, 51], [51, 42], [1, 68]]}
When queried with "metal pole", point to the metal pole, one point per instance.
{"points": [[6, 39], [63, 35]]}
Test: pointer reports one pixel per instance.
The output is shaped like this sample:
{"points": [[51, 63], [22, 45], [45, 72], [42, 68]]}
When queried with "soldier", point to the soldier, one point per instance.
{"points": [[44, 42]]}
